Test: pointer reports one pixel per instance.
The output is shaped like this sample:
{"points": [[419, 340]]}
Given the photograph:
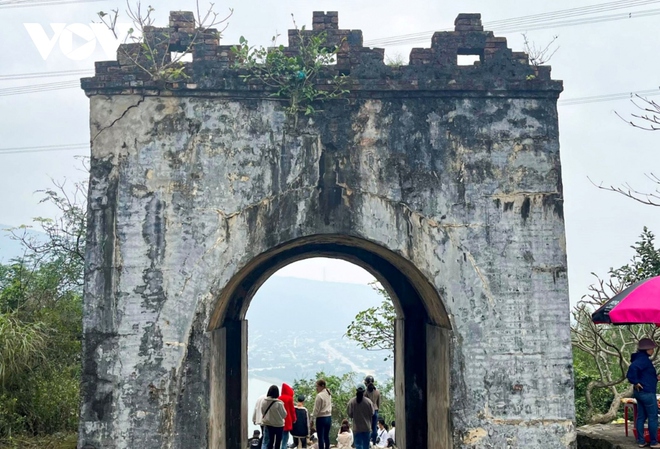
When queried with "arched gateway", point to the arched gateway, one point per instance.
{"points": [[442, 180]]}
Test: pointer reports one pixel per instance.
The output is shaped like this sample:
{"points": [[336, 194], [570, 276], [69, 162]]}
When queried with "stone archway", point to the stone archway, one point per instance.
{"points": [[444, 180], [422, 340]]}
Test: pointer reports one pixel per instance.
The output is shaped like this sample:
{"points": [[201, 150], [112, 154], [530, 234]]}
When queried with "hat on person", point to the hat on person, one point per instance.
{"points": [[301, 398], [359, 387], [646, 343]]}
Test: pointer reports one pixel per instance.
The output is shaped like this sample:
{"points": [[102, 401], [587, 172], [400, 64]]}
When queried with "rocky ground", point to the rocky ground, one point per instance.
{"points": [[605, 436]]}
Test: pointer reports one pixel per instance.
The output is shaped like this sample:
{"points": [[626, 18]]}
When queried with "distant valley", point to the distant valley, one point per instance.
{"points": [[296, 328]]}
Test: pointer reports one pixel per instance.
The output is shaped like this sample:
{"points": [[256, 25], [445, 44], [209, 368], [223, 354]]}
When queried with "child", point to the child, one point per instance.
{"points": [[301, 429], [255, 441], [315, 442], [345, 436]]}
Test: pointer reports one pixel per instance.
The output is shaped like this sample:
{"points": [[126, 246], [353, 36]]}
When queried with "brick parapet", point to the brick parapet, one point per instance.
{"points": [[431, 71]]}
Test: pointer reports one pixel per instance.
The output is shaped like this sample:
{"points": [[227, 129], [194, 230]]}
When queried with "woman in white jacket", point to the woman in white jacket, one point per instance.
{"points": [[345, 436], [273, 417]]}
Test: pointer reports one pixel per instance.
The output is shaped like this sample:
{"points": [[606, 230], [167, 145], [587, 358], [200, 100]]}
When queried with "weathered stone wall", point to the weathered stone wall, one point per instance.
{"points": [[458, 172]]}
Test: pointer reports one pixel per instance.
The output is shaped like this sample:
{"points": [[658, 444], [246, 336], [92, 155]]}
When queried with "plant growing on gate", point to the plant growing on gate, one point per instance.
{"points": [[152, 54], [539, 55], [293, 76]]}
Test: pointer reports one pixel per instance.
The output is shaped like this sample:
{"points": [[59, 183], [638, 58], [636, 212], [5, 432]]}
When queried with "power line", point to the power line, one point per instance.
{"points": [[585, 21], [572, 12], [34, 88], [24, 3], [424, 37], [61, 73], [45, 148], [608, 97], [523, 23]]}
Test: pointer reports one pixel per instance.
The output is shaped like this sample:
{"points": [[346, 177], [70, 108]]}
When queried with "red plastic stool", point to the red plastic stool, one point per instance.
{"points": [[626, 406]]}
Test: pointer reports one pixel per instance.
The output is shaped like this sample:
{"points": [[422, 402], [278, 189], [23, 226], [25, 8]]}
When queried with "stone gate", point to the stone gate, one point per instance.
{"points": [[442, 180]]}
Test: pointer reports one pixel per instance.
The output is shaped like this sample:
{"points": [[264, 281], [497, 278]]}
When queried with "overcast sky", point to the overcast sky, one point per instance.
{"points": [[608, 57]]}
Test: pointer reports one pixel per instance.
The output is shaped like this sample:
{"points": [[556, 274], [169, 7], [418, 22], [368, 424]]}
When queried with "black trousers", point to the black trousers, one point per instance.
{"points": [[274, 437], [302, 440]]}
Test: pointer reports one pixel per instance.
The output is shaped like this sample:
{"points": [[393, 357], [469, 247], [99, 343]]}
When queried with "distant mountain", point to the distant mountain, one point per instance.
{"points": [[296, 302]]}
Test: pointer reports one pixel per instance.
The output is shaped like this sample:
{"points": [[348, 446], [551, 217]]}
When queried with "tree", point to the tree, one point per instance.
{"points": [[373, 328], [648, 117], [603, 351], [41, 321]]}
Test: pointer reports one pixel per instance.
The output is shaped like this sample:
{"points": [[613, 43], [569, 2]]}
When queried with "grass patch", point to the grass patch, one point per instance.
{"points": [[58, 441]]}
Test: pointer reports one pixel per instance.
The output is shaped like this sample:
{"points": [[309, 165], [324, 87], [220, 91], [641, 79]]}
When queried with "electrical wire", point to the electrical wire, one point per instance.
{"points": [[608, 97], [525, 23], [22, 4], [22, 76], [45, 148], [34, 88]]}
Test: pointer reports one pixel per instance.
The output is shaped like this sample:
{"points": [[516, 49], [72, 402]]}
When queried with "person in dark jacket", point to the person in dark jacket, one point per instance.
{"points": [[644, 378], [300, 430]]}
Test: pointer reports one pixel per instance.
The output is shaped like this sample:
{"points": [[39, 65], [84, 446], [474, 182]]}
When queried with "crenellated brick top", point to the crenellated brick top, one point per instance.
{"points": [[431, 71]]}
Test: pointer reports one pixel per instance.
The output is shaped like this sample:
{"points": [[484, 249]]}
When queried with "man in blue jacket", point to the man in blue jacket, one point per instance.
{"points": [[643, 376]]}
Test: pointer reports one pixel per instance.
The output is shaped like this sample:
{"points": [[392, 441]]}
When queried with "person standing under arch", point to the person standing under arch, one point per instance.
{"points": [[273, 417], [360, 409], [256, 420], [301, 428], [323, 413], [289, 406], [374, 396]]}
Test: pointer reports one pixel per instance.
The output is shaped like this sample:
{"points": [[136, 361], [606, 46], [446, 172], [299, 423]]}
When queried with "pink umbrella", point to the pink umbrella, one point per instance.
{"points": [[637, 304]]}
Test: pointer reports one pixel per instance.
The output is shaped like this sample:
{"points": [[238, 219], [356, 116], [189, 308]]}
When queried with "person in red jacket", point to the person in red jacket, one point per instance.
{"points": [[289, 406]]}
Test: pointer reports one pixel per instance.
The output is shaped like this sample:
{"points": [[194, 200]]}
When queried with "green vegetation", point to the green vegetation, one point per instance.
{"points": [[343, 389], [41, 329], [373, 328], [293, 75]]}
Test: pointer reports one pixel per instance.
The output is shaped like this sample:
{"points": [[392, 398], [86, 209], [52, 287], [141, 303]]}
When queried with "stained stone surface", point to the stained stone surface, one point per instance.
{"points": [[458, 173]]}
